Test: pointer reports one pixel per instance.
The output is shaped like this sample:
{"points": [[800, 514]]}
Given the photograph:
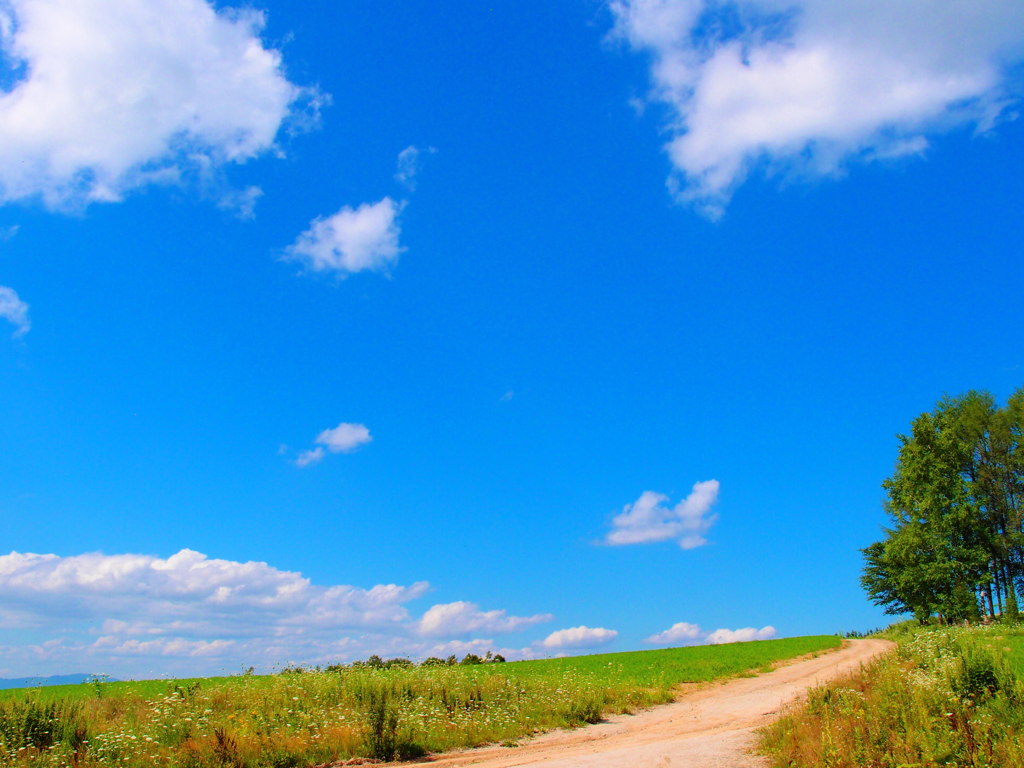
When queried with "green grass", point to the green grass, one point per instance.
{"points": [[668, 667], [1014, 645], [301, 719], [143, 688]]}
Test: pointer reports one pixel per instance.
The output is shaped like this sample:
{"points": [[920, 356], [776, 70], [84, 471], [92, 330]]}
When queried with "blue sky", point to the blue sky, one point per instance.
{"points": [[475, 397]]}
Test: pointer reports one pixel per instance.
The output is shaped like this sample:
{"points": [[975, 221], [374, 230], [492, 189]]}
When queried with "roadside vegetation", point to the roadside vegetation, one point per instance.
{"points": [[391, 710], [949, 696], [953, 557]]}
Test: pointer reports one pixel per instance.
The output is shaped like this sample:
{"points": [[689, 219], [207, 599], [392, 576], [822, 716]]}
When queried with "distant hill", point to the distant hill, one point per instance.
{"points": [[35, 682]]}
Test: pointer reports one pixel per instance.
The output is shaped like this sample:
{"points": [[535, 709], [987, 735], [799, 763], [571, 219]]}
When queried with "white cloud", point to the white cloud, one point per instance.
{"points": [[579, 637], [189, 614], [683, 633], [344, 438], [109, 95], [461, 618], [813, 84], [195, 590], [312, 456], [648, 519], [410, 160], [721, 636], [351, 240], [164, 647], [680, 633], [242, 202], [14, 310]]}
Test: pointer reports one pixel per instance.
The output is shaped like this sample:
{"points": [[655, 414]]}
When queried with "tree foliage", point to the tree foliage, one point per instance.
{"points": [[955, 545]]}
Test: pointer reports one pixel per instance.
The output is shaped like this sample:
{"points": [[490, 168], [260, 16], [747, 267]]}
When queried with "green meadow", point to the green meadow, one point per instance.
{"points": [[310, 717]]}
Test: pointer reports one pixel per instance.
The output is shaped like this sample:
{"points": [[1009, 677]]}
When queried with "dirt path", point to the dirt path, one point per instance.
{"points": [[708, 728]]}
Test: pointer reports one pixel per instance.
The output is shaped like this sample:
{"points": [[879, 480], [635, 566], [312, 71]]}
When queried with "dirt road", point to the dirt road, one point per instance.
{"points": [[709, 728]]}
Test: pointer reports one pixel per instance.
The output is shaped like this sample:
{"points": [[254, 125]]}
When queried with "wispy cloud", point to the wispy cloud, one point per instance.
{"points": [[410, 160], [241, 202], [311, 456], [810, 85], [649, 519], [344, 438], [117, 94], [14, 310]]}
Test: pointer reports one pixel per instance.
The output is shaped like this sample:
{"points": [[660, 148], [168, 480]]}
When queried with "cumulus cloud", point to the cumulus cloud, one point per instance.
{"points": [[461, 618], [351, 240], [684, 633], [14, 310], [721, 636], [579, 637], [194, 592], [680, 633], [188, 613], [649, 519], [814, 84], [108, 95], [344, 438]]}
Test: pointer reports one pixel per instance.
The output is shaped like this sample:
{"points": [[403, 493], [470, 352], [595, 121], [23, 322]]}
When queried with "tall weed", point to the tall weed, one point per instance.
{"points": [[947, 697]]}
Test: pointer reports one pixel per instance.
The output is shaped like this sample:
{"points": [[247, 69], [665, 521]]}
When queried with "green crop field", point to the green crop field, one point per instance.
{"points": [[311, 717]]}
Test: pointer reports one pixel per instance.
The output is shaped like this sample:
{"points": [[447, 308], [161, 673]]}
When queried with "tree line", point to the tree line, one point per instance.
{"points": [[954, 548]]}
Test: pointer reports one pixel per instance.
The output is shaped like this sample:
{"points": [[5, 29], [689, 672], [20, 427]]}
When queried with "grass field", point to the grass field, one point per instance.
{"points": [[949, 696], [314, 717]]}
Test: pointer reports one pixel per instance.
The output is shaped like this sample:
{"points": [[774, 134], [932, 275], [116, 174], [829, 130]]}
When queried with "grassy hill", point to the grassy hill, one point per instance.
{"points": [[313, 717]]}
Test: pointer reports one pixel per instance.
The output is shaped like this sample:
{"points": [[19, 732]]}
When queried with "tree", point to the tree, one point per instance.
{"points": [[955, 548]]}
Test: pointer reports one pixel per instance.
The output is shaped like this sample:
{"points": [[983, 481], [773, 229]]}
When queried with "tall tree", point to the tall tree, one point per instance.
{"points": [[956, 545]]}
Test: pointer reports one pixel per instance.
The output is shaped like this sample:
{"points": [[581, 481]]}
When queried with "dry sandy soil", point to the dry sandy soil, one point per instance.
{"points": [[712, 727]]}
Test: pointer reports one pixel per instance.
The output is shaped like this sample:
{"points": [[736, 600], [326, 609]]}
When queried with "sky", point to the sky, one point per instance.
{"points": [[425, 328]]}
